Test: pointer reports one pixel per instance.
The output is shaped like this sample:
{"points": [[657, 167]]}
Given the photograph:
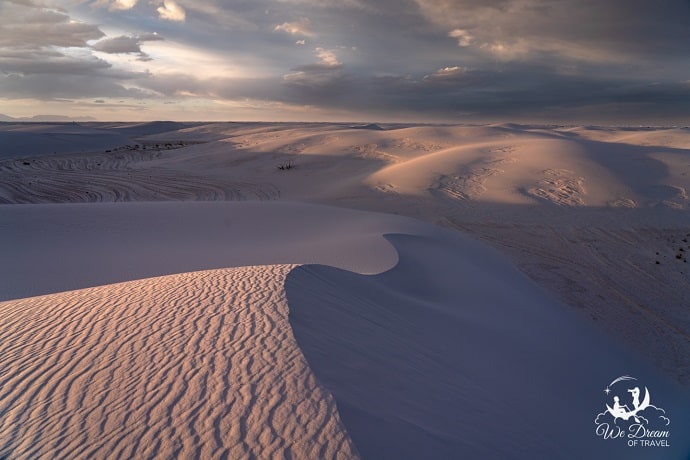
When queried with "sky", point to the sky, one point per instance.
{"points": [[547, 61]]}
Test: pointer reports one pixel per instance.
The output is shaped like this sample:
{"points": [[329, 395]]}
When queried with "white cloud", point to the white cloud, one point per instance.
{"points": [[301, 27], [123, 4], [171, 11], [450, 71], [300, 42], [464, 37], [327, 57], [510, 50], [452, 74]]}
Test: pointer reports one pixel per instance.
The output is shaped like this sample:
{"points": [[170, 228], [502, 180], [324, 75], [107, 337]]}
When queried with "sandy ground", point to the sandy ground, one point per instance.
{"points": [[583, 210], [598, 217], [198, 365]]}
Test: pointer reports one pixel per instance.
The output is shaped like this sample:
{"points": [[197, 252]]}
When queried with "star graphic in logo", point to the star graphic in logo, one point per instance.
{"points": [[607, 390]]}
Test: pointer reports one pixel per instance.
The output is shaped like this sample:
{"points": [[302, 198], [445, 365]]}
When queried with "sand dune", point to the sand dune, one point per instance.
{"points": [[198, 365], [465, 370], [423, 358], [492, 164], [32, 139], [70, 246], [404, 347]]}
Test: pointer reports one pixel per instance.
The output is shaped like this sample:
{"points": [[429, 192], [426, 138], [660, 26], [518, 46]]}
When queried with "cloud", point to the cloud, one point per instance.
{"points": [[224, 15], [431, 59], [320, 74], [126, 44], [181, 85], [519, 94], [171, 11], [448, 74], [51, 62], [113, 5], [327, 57], [44, 54], [23, 26], [312, 76], [123, 4], [543, 30], [301, 27], [360, 4], [40, 40], [464, 37], [56, 87]]}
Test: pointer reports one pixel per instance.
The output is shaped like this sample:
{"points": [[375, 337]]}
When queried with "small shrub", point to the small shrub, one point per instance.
{"points": [[286, 166]]}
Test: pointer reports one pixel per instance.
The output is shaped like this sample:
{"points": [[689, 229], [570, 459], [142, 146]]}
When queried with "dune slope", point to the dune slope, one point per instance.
{"points": [[197, 365], [55, 248], [452, 353]]}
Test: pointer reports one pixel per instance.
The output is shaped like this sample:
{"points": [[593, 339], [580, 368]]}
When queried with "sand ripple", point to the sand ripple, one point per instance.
{"points": [[197, 365], [121, 176]]}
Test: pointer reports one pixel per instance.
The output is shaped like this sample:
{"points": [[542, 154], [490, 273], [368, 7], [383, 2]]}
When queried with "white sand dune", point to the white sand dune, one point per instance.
{"points": [[492, 164], [428, 345], [518, 187], [423, 358], [19, 140], [198, 365], [64, 247], [467, 361]]}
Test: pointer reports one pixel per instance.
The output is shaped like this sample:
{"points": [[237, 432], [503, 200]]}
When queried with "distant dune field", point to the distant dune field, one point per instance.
{"points": [[306, 290]]}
